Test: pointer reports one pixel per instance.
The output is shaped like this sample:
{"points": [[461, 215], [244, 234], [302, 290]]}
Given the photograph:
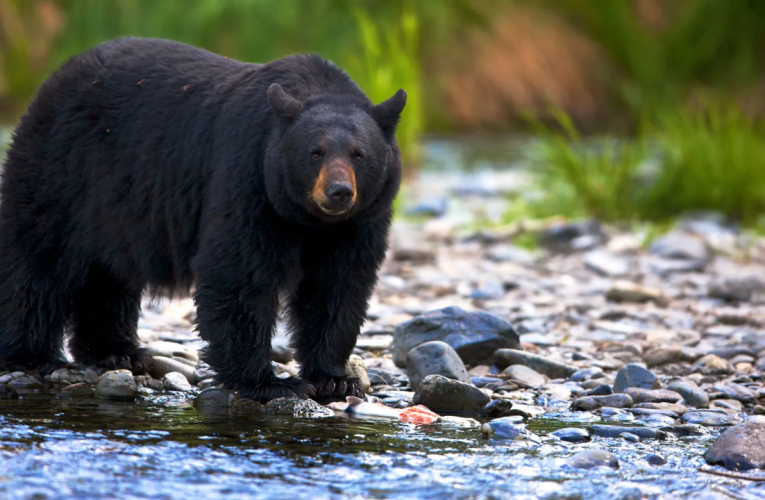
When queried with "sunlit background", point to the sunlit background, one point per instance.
{"points": [[634, 110]]}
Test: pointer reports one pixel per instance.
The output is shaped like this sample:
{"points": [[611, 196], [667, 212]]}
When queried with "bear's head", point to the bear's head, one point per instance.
{"points": [[337, 154]]}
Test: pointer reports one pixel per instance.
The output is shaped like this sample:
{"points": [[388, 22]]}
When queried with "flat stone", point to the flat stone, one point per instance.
{"points": [[591, 403], [677, 409], [66, 376], [553, 369], [640, 395], [736, 391], [6, 379], [684, 430], [606, 263], [172, 350], [442, 394], [572, 434], [693, 395], [175, 381], [25, 383], [474, 335], [612, 431], [663, 356], [356, 368], [434, 358], [633, 375], [116, 384], [525, 375], [706, 418], [162, 366], [589, 459], [742, 447], [625, 291], [302, 408]]}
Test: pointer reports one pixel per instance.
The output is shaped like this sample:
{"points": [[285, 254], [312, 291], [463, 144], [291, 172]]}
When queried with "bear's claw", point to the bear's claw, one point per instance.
{"points": [[337, 389]]}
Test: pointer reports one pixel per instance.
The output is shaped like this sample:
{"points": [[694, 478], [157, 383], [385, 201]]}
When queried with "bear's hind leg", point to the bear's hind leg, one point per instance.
{"points": [[32, 318], [104, 321]]}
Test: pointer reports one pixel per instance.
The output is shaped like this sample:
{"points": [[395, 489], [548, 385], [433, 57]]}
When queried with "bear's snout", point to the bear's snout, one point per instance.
{"points": [[335, 188]]}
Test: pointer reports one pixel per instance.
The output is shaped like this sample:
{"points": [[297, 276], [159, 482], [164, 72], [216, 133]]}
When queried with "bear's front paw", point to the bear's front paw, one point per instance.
{"points": [[336, 388], [275, 388], [138, 361]]}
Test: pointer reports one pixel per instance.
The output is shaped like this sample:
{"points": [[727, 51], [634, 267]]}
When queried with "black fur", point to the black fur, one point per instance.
{"points": [[149, 164]]}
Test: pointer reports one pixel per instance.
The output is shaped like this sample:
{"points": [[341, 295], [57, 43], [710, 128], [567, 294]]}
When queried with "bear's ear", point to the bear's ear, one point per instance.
{"points": [[282, 103], [387, 113]]}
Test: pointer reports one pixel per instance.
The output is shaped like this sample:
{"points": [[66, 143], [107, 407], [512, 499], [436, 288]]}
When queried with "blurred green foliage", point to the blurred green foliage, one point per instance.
{"points": [[711, 159]]}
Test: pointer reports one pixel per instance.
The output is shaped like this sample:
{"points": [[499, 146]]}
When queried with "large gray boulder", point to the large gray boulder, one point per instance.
{"points": [[434, 358], [474, 335], [742, 447]]}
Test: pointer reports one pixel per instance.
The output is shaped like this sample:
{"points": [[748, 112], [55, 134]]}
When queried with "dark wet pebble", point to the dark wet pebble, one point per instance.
{"points": [[572, 236], [633, 375], [553, 369], [474, 335], [442, 394], [583, 374], [502, 428], [572, 434], [434, 358], [496, 408], [589, 459], [656, 460], [600, 390], [25, 383], [612, 431], [693, 395], [590, 403], [742, 447]]}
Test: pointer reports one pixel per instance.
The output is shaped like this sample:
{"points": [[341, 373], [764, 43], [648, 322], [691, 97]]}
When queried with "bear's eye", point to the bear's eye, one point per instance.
{"points": [[357, 157], [316, 155]]}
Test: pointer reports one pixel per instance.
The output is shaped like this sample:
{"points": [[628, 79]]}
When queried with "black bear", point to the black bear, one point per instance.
{"points": [[146, 164]]}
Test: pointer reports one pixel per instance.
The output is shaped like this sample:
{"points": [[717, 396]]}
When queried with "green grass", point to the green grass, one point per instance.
{"points": [[683, 161]]}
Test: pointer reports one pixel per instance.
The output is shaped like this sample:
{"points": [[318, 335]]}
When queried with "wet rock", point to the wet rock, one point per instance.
{"points": [[172, 350], [640, 395], [163, 366], [175, 381], [655, 460], [606, 263], [526, 411], [474, 335], [599, 390], [116, 384], [633, 375], [737, 288], [628, 436], [215, 398], [484, 381], [663, 355], [759, 410], [496, 408], [305, 408], [6, 379], [66, 376], [442, 394], [680, 246], [149, 383], [684, 430], [79, 389], [736, 391], [742, 447], [590, 459], [25, 383], [692, 394], [625, 291], [463, 422], [612, 431], [591, 403], [706, 418], [507, 428], [730, 404], [434, 358], [553, 369], [572, 434], [525, 375], [355, 368], [671, 409]]}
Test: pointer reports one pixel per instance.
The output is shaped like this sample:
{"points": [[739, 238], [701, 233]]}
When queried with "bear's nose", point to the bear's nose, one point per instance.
{"points": [[340, 192]]}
